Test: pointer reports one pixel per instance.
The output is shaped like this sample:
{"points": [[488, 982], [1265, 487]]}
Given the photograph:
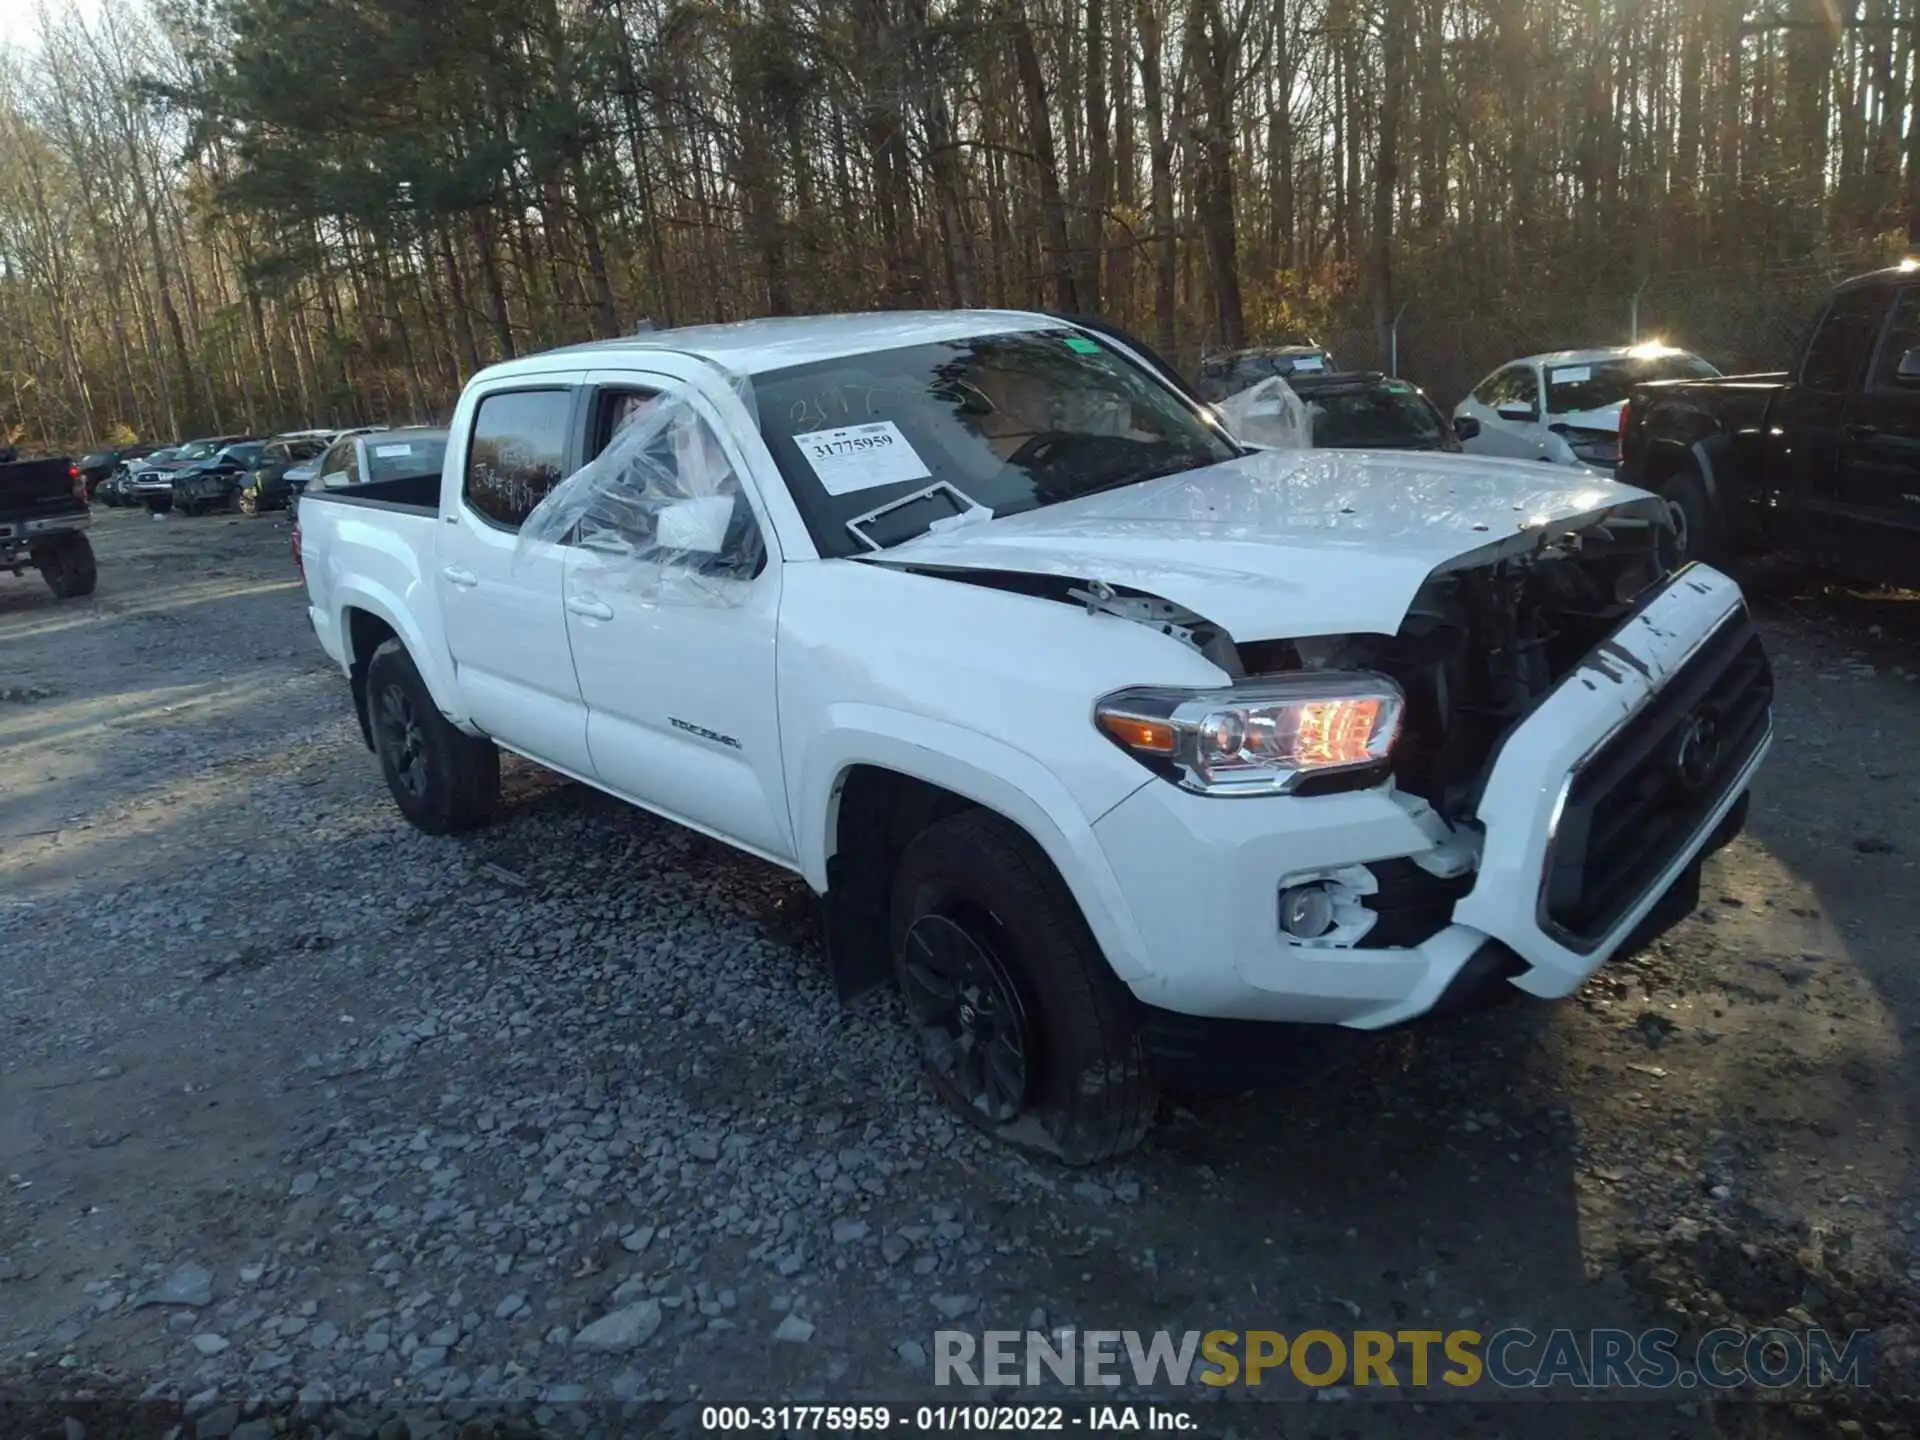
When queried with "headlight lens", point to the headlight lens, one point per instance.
{"points": [[1267, 737]]}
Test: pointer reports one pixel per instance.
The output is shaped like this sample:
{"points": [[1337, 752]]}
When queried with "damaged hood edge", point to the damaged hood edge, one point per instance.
{"points": [[1272, 563]]}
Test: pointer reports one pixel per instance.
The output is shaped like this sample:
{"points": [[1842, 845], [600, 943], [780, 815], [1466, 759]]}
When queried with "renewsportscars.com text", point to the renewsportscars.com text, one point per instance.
{"points": [[1509, 1359]]}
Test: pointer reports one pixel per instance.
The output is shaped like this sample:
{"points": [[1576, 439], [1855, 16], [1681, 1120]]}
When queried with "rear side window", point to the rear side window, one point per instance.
{"points": [[517, 453], [1842, 340], [1902, 335]]}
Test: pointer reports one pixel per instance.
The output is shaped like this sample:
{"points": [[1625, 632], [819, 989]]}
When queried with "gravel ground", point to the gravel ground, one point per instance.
{"points": [[307, 1117]]}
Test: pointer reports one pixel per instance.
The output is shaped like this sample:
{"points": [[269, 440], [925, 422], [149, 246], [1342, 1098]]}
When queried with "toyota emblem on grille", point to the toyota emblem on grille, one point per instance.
{"points": [[1697, 751]]}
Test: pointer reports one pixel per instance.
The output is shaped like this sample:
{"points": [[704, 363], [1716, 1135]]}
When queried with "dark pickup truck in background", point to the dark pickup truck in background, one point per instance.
{"points": [[1819, 463], [43, 522]]}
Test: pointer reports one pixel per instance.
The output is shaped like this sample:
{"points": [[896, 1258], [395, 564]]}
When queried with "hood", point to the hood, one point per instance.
{"points": [[1286, 544]]}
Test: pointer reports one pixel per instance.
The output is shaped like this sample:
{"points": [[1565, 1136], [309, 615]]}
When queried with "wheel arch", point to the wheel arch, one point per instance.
{"points": [[876, 778], [367, 620]]}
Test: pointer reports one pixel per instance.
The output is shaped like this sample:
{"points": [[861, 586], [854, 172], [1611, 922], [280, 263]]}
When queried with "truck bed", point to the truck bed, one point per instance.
{"points": [[419, 493]]}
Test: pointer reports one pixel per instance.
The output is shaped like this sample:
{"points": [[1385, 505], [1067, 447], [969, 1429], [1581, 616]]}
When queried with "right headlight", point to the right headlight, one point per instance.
{"points": [[1273, 736]]}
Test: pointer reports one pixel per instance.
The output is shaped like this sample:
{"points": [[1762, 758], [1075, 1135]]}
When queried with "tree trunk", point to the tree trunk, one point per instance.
{"points": [[1059, 258], [1099, 159], [1149, 20], [1386, 171]]}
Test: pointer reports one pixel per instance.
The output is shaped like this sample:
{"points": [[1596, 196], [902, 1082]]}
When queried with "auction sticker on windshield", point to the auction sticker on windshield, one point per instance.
{"points": [[1572, 374], [861, 457], [390, 452]]}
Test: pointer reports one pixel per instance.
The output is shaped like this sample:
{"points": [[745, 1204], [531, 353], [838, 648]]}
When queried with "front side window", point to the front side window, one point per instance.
{"points": [[1004, 422], [1838, 350], [343, 459], [517, 453], [1596, 384]]}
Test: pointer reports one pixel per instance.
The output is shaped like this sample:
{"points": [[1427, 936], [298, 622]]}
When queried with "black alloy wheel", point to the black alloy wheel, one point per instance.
{"points": [[971, 1022], [402, 740]]}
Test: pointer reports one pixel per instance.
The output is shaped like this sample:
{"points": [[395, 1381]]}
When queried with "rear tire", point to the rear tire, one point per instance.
{"points": [[442, 779], [1022, 1026], [67, 565], [1700, 530]]}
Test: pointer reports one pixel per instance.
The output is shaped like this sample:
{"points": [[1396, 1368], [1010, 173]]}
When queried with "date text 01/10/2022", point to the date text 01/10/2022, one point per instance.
{"points": [[940, 1419]]}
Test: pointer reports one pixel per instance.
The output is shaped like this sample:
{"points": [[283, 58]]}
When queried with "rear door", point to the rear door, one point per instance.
{"points": [[500, 603], [1805, 422], [674, 649], [1880, 448]]}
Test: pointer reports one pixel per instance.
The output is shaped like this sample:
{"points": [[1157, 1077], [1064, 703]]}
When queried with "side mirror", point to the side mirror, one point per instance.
{"points": [[1909, 371], [1516, 412], [1465, 427], [333, 480], [697, 526]]}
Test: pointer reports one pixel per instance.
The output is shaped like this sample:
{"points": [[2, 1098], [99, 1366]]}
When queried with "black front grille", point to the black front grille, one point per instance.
{"points": [[1637, 800]]}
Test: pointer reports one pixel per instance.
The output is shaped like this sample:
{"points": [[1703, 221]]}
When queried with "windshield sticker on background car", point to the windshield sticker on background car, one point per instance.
{"points": [[1080, 345], [1309, 363], [861, 457], [391, 452], [1572, 374]]}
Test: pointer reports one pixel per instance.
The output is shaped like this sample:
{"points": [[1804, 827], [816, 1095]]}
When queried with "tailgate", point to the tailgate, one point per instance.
{"points": [[36, 490]]}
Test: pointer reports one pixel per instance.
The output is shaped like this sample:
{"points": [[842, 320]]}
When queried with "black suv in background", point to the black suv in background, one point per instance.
{"points": [[1821, 462]]}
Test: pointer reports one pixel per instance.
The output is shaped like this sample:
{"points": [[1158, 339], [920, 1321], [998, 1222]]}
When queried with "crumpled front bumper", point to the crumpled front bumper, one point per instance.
{"points": [[1203, 874]]}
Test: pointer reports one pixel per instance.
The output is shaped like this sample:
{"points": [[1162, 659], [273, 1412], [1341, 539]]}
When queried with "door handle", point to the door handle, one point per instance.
{"points": [[457, 576], [592, 609]]}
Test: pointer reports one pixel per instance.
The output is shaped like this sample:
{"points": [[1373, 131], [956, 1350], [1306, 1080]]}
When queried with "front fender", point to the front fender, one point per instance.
{"points": [[984, 770]]}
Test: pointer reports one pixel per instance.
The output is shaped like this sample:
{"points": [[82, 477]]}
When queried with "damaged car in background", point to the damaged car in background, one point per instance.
{"points": [[1097, 733]]}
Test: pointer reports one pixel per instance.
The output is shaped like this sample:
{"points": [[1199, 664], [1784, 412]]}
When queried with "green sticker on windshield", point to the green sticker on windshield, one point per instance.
{"points": [[1398, 387], [1081, 345]]}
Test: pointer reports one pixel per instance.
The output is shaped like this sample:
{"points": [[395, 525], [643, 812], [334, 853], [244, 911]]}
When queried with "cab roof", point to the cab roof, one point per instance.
{"points": [[754, 347]]}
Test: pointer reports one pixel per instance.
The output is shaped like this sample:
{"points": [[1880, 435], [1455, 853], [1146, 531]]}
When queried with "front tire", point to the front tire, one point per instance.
{"points": [[1700, 530], [248, 503], [442, 779], [1022, 1026], [68, 567]]}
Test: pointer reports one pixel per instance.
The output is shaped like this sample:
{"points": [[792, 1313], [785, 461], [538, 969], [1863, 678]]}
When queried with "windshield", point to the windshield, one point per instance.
{"points": [[1012, 422], [246, 454], [416, 455], [1392, 415], [198, 450], [1596, 384], [162, 456]]}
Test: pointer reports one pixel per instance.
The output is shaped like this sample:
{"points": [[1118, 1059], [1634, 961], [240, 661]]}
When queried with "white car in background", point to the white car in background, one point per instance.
{"points": [[1584, 392]]}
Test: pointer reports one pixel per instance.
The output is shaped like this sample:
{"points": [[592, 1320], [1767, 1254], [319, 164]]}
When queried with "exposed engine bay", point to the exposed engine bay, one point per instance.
{"points": [[1480, 646], [1482, 641]]}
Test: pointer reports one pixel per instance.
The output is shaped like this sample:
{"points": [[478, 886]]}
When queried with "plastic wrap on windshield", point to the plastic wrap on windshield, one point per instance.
{"points": [[1269, 415], [661, 505]]}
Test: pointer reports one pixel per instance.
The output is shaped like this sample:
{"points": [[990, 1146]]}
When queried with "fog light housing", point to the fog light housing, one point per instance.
{"points": [[1306, 911]]}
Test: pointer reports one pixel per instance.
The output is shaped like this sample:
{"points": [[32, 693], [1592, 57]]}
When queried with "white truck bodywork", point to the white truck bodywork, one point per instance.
{"points": [[744, 720]]}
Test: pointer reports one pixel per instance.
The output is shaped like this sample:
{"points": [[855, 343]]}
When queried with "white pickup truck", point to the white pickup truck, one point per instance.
{"points": [[1100, 732]]}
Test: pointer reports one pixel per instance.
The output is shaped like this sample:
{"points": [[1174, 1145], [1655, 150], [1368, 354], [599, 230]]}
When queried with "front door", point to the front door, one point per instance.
{"points": [[673, 631], [501, 601]]}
